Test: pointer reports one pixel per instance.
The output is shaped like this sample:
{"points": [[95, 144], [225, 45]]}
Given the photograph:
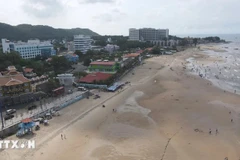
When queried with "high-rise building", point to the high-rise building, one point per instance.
{"points": [[148, 34], [82, 43], [29, 49], [134, 34]]}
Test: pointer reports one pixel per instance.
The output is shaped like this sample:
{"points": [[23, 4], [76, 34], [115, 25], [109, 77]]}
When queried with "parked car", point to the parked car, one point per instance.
{"points": [[127, 82], [32, 107], [11, 111], [70, 91], [82, 89], [40, 120], [96, 96], [8, 116]]}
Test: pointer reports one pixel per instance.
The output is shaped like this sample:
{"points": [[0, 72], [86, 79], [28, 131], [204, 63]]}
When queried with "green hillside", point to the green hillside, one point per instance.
{"points": [[26, 31]]}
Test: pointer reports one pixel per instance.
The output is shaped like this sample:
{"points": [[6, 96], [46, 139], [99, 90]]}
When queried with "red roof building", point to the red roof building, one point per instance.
{"points": [[90, 78], [27, 70], [103, 63], [103, 66], [140, 51], [149, 49], [131, 55]]}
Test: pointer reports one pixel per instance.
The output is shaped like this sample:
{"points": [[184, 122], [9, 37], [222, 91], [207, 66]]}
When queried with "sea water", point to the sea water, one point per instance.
{"points": [[224, 74]]}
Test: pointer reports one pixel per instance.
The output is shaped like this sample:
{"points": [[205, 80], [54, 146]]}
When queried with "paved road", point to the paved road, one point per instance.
{"points": [[48, 104]]}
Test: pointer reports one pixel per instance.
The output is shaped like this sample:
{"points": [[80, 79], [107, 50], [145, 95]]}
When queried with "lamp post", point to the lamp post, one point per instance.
{"points": [[1, 114]]}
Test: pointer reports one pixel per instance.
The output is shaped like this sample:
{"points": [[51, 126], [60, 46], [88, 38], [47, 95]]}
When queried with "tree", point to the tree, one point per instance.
{"points": [[38, 67], [38, 57], [52, 84], [60, 64], [100, 43], [79, 74], [212, 39], [90, 52], [87, 62], [80, 55], [195, 41], [183, 42], [155, 50]]}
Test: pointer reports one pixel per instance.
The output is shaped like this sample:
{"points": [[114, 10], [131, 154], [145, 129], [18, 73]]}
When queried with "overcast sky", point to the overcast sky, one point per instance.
{"points": [[117, 16]]}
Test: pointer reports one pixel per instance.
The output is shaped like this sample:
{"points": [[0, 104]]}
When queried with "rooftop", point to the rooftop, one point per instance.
{"points": [[131, 55], [90, 78], [27, 70], [13, 80], [27, 120], [57, 89], [149, 49], [71, 55], [110, 63], [11, 70], [81, 36]]}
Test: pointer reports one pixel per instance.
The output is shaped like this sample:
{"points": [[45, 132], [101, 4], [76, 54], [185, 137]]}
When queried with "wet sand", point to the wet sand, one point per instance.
{"points": [[166, 113]]}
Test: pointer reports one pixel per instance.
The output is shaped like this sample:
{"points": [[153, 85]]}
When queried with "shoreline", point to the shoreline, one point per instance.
{"points": [[202, 64], [170, 119]]}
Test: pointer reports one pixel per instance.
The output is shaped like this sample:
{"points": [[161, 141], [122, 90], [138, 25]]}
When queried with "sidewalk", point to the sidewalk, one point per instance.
{"points": [[42, 108]]}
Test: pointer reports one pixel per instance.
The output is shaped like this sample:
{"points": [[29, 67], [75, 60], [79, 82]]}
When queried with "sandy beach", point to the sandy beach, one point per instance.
{"points": [[166, 113]]}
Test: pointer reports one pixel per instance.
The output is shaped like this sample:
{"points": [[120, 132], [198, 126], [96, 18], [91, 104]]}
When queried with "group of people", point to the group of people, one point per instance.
{"points": [[114, 110], [63, 136], [210, 131], [206, 72]]}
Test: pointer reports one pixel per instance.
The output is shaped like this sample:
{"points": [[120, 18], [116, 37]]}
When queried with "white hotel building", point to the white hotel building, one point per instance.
{"points": [[82, 43], [29, 49], [148, 34]]}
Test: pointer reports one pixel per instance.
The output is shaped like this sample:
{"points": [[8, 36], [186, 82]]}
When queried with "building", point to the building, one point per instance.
{"points": [[28, 72], [134, 34], [132, 55], [109, 40], [111, 48], [66, 79], [72, 58], [130, 59], [70, 46], [104, 66], [148, 34], [37, 82], [13, 83], [97, 48], [29, 49], [82, 43], [168, 43], [95, 78]]}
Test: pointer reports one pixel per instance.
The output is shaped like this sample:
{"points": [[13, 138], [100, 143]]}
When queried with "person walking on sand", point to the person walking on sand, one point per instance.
{"points": [[231, 120], [210, 131], [61, 136], [216, 131]]}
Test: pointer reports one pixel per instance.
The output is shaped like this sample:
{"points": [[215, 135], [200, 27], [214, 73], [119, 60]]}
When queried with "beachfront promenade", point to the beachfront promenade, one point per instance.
{"points": [[60, 102]]}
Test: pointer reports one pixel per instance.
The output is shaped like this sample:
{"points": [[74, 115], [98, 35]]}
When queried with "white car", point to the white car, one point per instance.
{"points": [[10, 111]]}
